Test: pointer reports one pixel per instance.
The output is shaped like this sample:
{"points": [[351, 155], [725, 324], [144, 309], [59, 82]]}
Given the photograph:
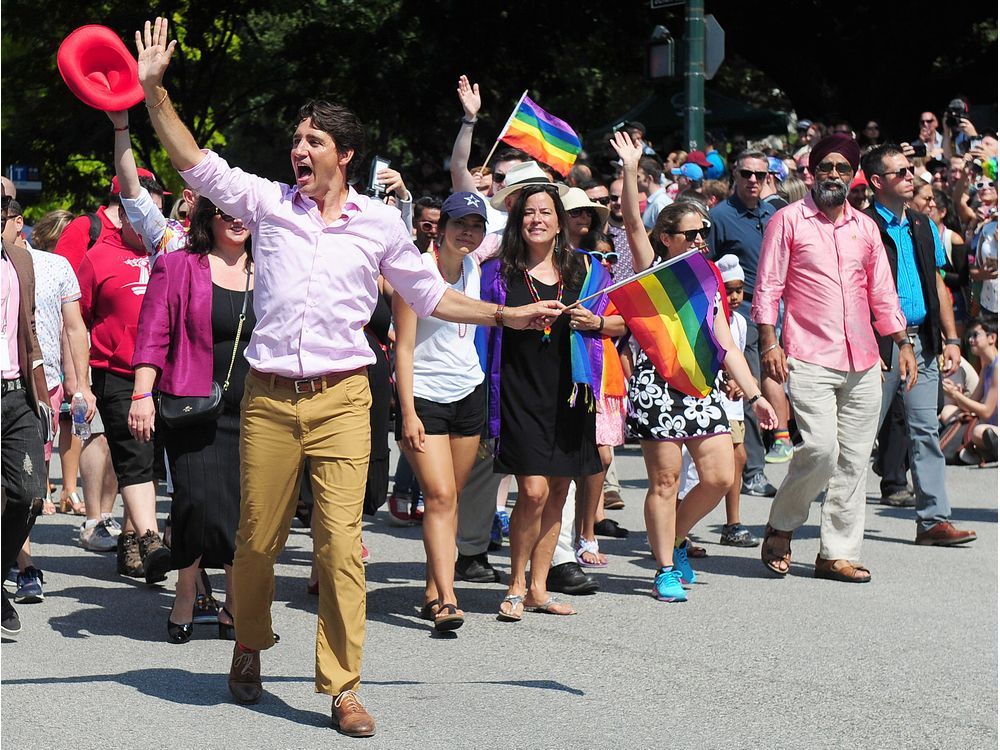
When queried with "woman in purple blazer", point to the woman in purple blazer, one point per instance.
{"points": [[187, 332]]}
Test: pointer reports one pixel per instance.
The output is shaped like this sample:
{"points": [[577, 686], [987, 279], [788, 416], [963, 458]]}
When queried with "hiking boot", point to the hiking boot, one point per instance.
{"points": [[129, 559], [155, 557]]}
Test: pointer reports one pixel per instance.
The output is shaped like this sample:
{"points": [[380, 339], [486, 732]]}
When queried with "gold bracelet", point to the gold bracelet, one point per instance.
{"points": [[162, 99]]}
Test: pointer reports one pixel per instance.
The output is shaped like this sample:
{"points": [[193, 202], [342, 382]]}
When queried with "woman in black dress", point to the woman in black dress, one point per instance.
{"points": [[544, 440], [205, 457]]}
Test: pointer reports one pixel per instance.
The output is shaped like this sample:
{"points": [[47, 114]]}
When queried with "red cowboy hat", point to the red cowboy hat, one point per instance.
{"points": [[99, 69]]}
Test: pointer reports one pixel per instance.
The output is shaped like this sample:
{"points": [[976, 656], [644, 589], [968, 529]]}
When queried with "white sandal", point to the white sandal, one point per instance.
{"points": [[584, 546]]}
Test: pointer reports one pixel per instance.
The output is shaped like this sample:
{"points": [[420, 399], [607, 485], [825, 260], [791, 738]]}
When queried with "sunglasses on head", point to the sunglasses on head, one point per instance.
{"points": [[900, 173], [841, 167], [224, 216], [610, 257], [746, 174], [693, 234]]}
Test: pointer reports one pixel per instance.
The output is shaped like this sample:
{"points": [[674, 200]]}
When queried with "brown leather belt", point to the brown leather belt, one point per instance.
{"points": [[306, 385]]}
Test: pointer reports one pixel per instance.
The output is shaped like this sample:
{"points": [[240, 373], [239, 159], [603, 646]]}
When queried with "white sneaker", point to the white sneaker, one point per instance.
{"points": [[97, 538]]}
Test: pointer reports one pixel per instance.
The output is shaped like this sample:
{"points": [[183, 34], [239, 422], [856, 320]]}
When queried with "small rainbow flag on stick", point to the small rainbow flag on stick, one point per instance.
{"points": [[540, 135], [669, 309]]}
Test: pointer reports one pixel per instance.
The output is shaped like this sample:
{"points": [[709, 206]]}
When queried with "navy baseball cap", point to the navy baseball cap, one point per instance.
{"points": [[464, 203]]}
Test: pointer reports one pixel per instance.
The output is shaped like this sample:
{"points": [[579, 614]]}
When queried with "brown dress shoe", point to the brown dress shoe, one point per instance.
{"points": [[350, 717], [244, 676], [944, 534], [613, 500]]}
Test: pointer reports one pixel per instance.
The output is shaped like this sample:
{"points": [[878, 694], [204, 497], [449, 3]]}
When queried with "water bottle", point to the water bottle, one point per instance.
{"points": [[78, 409]]}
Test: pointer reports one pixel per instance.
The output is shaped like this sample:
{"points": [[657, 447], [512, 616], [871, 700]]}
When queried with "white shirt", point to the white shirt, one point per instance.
{"points": [[445, 362], [55, 285], [738, 327]]}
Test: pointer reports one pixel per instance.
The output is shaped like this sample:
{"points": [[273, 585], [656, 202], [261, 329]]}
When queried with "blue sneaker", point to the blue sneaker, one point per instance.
{"points": [[667, 586], [681, 564], [496, 533], [29, 586], [504, 522]]}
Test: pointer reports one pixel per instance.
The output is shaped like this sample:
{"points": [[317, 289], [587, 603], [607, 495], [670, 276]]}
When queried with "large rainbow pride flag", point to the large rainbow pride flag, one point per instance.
{"points": [[541, 136], [669, 309]]}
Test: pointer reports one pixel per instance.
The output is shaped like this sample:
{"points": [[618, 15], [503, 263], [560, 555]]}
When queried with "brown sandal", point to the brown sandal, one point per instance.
{"points": [[842, 570], [773, 557]]}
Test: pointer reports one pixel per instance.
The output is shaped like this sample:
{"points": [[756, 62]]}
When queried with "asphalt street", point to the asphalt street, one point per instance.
{"points": [[750, 661]]}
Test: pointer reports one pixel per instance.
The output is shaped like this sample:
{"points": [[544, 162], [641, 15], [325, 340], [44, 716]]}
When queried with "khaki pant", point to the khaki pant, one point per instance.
{"points": [[280, 430], [837, 415]]}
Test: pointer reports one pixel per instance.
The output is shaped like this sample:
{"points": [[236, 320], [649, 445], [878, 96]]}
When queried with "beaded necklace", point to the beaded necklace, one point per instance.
{"points": [[463, 328], [547, 332]]}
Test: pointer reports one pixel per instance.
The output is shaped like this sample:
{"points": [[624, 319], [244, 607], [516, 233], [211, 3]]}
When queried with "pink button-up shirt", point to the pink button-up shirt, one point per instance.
{"points": [[10, 291], [316, 284], [834, 279]]}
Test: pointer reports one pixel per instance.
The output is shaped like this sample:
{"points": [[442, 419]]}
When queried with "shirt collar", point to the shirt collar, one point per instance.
{"points": [[353, 204], [811, 209], [890, 218], [741, 207]]}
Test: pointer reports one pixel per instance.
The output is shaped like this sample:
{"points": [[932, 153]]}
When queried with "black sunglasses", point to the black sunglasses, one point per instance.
{"points": [[746, 174], [499, 176], [614, 198], [842, 168], [610, 258], [900, 173], [576, 213], [224, 216], [603, 200], [692, 234]]}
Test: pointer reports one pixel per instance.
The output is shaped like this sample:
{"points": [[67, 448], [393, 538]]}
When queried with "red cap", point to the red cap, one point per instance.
{"points": [[699, 158], [859, 180], [115, 188], [99, 70]]}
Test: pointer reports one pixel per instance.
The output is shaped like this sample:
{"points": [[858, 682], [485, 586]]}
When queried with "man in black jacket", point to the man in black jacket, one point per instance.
{"points": [[915, 254]]}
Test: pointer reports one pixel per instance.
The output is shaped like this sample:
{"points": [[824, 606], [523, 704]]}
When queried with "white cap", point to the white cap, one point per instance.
{"points": [[730, 268]]}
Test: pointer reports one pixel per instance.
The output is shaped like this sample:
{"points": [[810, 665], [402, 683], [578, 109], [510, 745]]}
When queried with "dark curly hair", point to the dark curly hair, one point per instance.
{"points": [[514, 250], [201, 239]]}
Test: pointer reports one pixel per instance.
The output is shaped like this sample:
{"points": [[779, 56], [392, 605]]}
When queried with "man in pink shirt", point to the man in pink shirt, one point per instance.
{"points": [[319, 248], [826, 260]]}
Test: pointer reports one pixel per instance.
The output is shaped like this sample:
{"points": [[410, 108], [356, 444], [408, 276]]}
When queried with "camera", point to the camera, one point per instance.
{"points": [[955, 112], [919, 149]]}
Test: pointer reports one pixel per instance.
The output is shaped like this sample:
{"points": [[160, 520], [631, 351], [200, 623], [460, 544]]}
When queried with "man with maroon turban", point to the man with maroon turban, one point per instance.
{"points": [[826, 261]]}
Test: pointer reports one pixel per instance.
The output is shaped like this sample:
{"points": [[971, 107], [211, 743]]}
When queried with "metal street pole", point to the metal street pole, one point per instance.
{"points": [[694, 75]]}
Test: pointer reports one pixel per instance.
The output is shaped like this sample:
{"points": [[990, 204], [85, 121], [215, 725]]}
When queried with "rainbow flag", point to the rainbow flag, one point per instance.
{"points": [[541, 136], [669, 309], [586, 348]]}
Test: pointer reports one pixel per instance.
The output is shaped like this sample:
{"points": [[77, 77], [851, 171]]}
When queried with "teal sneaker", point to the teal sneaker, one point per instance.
{"points": [[781, 452], [681, 564], [667, 586]]}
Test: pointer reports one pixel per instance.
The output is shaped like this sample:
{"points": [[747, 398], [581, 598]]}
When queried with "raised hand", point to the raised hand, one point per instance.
{"points": [[154, 53], [468, 95], [627, 150]]}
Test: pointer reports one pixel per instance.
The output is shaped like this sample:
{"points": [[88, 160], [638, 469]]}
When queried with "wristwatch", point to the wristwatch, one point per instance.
{"points": [[953, 342]]}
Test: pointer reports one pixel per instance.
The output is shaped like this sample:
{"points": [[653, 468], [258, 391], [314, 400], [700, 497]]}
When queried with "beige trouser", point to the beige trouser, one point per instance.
{"points": [[837, 415], [280, 430]]}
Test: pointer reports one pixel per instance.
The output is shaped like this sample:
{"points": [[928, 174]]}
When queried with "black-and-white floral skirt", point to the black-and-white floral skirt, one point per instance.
{"points": [[658, 412]]}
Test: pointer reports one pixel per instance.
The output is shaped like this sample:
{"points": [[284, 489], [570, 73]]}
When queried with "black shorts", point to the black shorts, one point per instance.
{"points": [[133, 461], [462, 418]]}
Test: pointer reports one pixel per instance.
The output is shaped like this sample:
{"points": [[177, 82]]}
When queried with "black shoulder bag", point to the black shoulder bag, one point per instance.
{"points": [[178, 412]]}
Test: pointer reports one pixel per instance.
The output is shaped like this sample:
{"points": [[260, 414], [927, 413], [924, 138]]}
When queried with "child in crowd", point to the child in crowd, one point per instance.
{"points": [[734, 533]]}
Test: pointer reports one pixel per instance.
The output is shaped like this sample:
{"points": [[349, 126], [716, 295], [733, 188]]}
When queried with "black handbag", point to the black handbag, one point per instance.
{"points": [[178, 412]]}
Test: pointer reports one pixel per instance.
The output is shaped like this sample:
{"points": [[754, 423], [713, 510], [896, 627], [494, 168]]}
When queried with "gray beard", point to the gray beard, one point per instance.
{"points": [[830, 193]]}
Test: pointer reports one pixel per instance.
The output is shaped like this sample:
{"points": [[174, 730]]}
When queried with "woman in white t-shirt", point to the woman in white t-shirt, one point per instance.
{"points": [[442, 400]]}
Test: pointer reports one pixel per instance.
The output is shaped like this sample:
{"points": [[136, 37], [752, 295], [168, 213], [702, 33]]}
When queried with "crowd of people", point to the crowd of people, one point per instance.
{"points": [[251, 344]]}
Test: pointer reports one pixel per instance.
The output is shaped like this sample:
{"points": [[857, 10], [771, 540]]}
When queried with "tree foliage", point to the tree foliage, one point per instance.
{"points": [[243, 68]]}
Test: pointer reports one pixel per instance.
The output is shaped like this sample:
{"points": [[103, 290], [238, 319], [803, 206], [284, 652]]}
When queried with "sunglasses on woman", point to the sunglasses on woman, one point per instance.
{"points": [[693, 234], [576, 213], [983, 184], [610, 257], [224, 216]]}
